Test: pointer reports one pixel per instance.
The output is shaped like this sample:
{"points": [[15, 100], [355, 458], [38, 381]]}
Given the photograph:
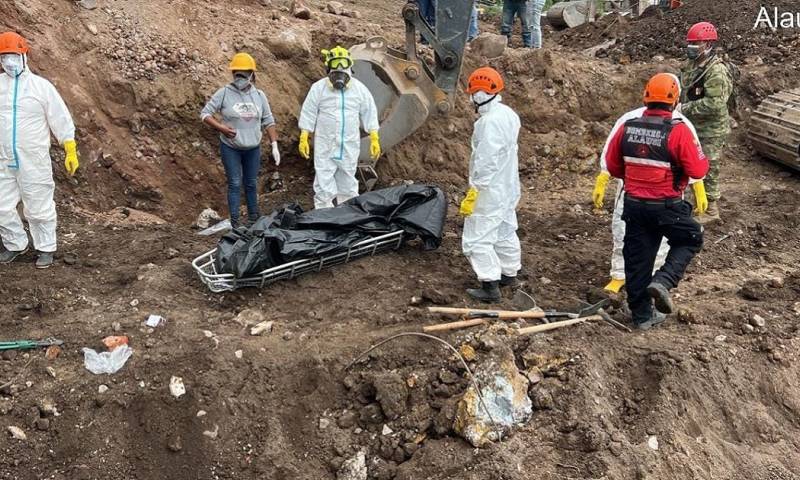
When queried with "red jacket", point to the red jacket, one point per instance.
{"points": [[653, 179]]}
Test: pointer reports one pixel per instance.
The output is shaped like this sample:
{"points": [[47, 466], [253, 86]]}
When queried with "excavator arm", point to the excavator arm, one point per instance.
{"points": [[407, 90]]}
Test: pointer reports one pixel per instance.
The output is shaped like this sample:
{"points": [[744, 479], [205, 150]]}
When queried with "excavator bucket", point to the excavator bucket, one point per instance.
{"points": [[406, 91]]}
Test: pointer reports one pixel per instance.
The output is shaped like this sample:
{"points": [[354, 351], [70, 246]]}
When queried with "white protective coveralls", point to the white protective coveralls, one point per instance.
{"points": [[334, 116], [617, 224], [490, 234], [30, 108]]}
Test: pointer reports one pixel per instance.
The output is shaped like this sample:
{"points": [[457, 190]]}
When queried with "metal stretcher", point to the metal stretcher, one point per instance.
{"points": [[205, 265]]}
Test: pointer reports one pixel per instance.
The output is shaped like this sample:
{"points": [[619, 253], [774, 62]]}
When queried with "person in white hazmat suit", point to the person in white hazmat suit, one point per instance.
{"points": [[617, 224], [334, 109], [490, 239], [30, 108]]}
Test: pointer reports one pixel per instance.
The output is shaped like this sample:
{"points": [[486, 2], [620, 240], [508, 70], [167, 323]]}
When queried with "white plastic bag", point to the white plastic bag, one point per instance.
{"points": [[106, 362], [216, 228]]}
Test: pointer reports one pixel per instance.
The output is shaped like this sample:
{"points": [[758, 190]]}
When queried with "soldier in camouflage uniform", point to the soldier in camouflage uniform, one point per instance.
{"points": [[707, 87]]}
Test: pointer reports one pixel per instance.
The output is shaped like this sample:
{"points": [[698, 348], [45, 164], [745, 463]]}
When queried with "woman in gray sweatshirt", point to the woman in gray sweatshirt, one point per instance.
{"points": [[245, 113]]}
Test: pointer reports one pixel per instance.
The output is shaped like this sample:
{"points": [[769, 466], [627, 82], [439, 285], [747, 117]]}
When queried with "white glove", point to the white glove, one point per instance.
{"points": [[276, 154]]}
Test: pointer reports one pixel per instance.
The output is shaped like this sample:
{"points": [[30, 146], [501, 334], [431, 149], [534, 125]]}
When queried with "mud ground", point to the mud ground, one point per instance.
{"points": [[721, 399]]}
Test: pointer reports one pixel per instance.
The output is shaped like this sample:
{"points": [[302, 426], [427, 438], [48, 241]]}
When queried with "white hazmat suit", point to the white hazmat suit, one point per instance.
{"points": [[30, 108], [617, 224], [334, 116], [490, 234]]}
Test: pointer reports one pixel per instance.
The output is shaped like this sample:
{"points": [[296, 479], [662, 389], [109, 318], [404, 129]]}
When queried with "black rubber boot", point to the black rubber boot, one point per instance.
{"points": [[661, 298], [509, 281], [488, 293], [656, 319], [9, 256]]}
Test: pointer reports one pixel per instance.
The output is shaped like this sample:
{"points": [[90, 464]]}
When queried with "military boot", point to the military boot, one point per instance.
{"points": [[488, 293], [711, 215], [509, 281]]}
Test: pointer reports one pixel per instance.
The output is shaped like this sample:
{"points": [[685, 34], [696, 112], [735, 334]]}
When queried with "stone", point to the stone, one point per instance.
{"points": [[747, 328], [371, 414], [212, 434], [47, 408], [175, 444], [335, 8], [758, 321], [652, 442], [238, 354], [102, 389], [289, 43], [490, 45], [92, 28], [347, 419], [300, 11], [88, 4], [776, 282], [43, 424], [386, 430], [207, 218], [5, 406], [17, 433], [354, 468], [352, 14], [391, 392], [505, 392], [542, 399], [324, 423], [262, 327]]}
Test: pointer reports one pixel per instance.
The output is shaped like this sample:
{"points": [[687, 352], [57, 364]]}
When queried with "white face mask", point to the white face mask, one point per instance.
{"points": [[481, 100], [12, 64], [242, 82]]}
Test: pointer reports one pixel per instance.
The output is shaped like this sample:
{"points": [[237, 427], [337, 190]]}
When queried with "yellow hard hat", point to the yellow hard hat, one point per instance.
{"points": [[337, 57], [242, 62]]}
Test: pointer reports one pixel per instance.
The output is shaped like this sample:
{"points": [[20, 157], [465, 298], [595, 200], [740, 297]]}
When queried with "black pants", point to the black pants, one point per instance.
{"points": [[646, 222]]}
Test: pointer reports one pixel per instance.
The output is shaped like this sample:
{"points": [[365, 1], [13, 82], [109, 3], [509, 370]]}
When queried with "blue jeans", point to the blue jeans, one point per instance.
{"points": [[536, 22], [523, 10], [241, 167], [473, 24]]}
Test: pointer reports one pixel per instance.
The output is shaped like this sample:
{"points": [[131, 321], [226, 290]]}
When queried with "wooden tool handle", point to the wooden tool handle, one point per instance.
{"points": [[556, 325], [453, 325], [505, 314]]}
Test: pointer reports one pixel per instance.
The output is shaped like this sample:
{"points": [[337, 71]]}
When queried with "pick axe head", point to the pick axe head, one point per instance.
{"points": [[593, 309]]}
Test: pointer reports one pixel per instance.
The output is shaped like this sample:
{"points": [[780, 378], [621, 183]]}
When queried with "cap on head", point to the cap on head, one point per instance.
{"points": [[702, 32], [662, 88], [11, 42], [242, 62], [485, 79]]}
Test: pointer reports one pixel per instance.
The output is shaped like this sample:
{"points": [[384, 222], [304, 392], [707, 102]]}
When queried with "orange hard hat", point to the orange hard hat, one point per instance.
{"points": [[485, 79], [662, 88], [11, 42]]}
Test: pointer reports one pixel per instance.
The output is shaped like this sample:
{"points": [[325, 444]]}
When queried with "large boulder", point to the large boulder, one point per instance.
{"points": [[289, 43], [489, 45], [505, 392]]}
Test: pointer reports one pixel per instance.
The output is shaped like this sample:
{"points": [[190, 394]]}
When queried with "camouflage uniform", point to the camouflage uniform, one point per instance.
{"points": [[706, 89]]}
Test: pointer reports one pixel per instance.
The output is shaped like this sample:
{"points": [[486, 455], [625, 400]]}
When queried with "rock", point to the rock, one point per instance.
{"points": [[300, 11], [43, 424], [201, 413], [468, 352], [371, 414], [5, 406], [289, 44], [10, 355], [686, 315], [17, 433], [52, 352], [102, 389], [720, 338], [347, 419], [436, 297], [287, 335], [262, 327], [542, 399], [116, 326], [324, 423], [207, 218], [490, 45], [776, 282], [392, 394], [448, 377], [545, 281], [212, 434], [352, 14], [92, 28], [176, 387], [47, 408], [175, 444], [753, 290], [747, 328], [335, 8], [386, 430], [238, 354], [249, 316], [88, 4], [652, 442], [758, 321], [505, 392], [172, 253], [354, 468]]}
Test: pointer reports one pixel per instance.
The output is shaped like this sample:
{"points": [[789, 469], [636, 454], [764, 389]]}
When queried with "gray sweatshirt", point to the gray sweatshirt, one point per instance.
{"points": [[246, 111]]}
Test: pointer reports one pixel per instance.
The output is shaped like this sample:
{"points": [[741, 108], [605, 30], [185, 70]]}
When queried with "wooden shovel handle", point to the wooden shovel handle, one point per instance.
{"points": [[453, 325], [556, 325], [503, 314]]}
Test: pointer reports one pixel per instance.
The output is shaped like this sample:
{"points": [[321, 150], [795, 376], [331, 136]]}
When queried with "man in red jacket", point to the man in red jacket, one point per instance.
{"points": [[655, 156]]}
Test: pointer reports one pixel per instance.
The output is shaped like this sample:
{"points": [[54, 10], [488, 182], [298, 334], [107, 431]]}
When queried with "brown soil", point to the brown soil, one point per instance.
{"points": [[722, 401]]}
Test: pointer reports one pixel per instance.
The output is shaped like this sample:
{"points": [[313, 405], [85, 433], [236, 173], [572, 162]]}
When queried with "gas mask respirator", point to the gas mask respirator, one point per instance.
{"points": [[339, 79]]}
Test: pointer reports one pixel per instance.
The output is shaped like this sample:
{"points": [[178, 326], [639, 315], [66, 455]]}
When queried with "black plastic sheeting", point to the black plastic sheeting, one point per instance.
{"points": [[290, 234]]}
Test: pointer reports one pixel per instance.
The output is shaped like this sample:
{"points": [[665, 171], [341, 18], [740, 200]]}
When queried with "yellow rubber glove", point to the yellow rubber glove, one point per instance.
{"points": [[374, 145], [599, 193], [305, 148], [71, 158], [468, 204], [700, 198]]}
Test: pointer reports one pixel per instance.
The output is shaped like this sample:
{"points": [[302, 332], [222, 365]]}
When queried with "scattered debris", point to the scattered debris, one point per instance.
{"points": [[207, 218], [201, 413], [720, 338], [88, 4], [507, 404], [263, 327], [176, 387], [212, 434], [299, 10], [758, 321], [467, 352], [216, 228], [17, 433], [324, 423], [47, 407], [175, 444], [652, 442], [102, 389], [354, 468], [52, 352], [112, 342], [154, 321], [106, 362], [51, 371], [238, 354], [386, 430]]}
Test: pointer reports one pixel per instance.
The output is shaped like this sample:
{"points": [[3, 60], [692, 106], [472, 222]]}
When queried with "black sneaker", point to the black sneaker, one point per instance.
{"points": [[9, 255], [661, 298], [44, 260], [656, 319]]}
